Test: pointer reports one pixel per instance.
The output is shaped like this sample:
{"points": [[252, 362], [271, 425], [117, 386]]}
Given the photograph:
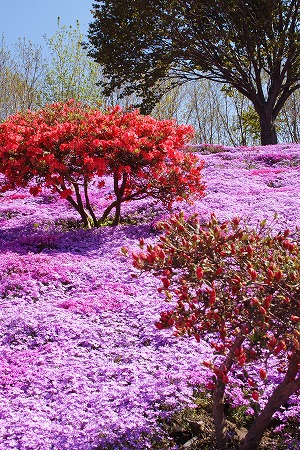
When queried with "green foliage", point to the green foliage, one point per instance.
{"points": [[250, 120], [70, 74]]}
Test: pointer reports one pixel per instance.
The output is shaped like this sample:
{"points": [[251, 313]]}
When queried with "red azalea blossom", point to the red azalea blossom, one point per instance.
{"points": [[66, 145]]}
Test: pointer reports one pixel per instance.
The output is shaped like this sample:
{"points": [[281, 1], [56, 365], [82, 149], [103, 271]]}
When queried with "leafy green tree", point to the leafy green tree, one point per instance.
{"points": [[71, 73], [253, 46]]}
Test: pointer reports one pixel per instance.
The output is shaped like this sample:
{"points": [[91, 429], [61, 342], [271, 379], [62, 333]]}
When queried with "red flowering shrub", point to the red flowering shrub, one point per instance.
{"points": [[239, 289], [65, 146]]}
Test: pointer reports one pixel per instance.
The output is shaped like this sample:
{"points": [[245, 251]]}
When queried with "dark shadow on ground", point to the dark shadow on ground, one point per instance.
{"points": [[27, 239]]}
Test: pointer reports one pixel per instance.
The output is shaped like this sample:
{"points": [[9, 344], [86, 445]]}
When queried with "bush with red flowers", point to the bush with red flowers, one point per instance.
{"points": [[66, 146]]}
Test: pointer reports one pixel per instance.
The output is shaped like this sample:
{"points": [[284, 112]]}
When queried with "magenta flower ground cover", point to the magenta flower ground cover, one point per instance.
{"points": [[82, 364]]}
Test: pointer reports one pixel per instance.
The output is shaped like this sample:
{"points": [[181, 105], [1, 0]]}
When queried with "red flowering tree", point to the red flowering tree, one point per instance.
{"points": [[65, 146], [239, 289]]}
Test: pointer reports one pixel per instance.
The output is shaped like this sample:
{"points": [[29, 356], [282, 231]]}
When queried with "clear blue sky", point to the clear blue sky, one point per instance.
{"points": [[34, 18]]}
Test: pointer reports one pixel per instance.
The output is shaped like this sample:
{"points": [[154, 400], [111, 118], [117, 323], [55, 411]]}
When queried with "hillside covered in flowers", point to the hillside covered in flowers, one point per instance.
{"points": [[82, 364]]}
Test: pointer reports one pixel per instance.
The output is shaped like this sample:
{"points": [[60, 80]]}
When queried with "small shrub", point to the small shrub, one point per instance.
{"points": [[238, 288]]}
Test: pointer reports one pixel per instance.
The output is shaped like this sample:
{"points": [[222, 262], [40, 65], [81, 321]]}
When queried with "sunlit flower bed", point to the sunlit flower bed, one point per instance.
{"points": [[82, 364]]}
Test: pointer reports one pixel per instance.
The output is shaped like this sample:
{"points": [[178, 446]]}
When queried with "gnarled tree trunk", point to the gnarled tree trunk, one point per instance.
{"points": [[281, 394]]}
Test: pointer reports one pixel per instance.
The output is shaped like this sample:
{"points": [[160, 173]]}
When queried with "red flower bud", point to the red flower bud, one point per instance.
{"points": [[207, 363], [197, 337], [253, 274], [236, 279], [254, 301], [219, 270], [272, 342], [249, 250], [295, 319], [238, 351], [293, 276], [199, 273], [242, 359], [236, 221], [124, 250], [263, 374], [278, 275], [225, 378], [267, 301], [166, 282], [212, 297], [291, 247], [278, 348], [270, 274], [262, 310], [167, 272]]}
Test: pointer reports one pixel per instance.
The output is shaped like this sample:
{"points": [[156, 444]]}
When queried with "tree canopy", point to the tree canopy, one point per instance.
{"points": [[251, 45]]}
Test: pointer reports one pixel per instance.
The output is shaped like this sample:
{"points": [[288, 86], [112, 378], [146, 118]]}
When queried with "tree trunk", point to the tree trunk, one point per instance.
{"points": [[81, 209], [268, 134], [281, 394], [219, 416], [119, 192], [117, 212], [89, 206], [219, 393]]}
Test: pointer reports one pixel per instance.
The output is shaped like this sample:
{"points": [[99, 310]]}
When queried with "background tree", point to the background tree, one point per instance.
{"points": [[252, 46], [21, 73], [5, 71], [219, 114], [196, 103], [290, 117], [29, 65], [71, 73], [32, 75]]}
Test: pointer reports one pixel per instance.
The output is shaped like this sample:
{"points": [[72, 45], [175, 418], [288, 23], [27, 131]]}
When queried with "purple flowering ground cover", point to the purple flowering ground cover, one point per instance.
{"points": [[82, 365]]}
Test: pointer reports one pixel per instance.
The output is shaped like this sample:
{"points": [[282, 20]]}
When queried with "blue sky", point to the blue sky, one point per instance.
{"points": [[34, 18]]}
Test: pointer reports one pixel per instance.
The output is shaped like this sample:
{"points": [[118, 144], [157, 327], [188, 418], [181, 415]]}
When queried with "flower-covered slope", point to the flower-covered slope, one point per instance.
{"points": [[82, 365], [254, 183]]}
